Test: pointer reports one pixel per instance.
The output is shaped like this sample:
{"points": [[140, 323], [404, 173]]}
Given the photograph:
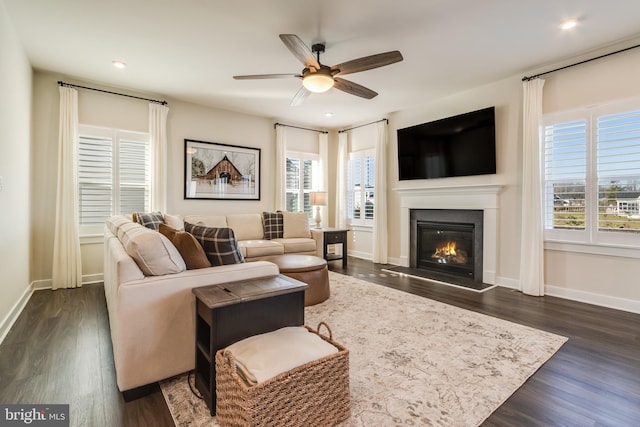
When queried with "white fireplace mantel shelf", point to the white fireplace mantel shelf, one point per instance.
{"points": [[480, 197]]}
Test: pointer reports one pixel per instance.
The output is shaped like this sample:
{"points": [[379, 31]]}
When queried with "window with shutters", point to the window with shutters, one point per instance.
{"points": [[114, 175], [592, 175], [302, 178], [360, 187]]}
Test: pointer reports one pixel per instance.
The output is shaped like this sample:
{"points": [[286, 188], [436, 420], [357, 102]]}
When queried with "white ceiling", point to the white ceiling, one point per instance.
{"points": [[190, 49]]}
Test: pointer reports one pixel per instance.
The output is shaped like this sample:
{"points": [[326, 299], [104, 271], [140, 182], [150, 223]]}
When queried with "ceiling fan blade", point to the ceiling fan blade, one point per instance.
{"points": [[300, 96], [265, 76], [300, 50], [367, 63], [353, 88]]}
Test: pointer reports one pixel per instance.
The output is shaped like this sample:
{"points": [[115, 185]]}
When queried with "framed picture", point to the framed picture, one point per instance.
{"points": [[221, 171]]}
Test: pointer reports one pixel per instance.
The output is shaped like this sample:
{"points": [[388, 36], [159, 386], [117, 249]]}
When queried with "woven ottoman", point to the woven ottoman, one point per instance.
{"points": [[308, 269], [315, 393]]}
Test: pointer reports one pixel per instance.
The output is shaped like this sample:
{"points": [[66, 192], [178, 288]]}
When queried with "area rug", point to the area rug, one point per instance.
{"points": [[413, 361]]}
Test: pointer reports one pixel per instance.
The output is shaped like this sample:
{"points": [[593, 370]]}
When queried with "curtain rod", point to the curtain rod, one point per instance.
{"points": [[297, 127], [525, 78], [61, 83], [366, 124]]}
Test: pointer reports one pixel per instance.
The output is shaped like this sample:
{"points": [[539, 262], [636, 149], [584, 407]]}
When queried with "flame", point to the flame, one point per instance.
{"points": [[447, 250]]}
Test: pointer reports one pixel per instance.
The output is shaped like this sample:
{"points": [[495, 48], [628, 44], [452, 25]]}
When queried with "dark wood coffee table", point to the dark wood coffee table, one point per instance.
{"points": [[230, 312]]}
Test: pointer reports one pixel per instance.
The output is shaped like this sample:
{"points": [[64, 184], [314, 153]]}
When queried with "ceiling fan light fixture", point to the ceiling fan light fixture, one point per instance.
{"points": [[317, 82]]}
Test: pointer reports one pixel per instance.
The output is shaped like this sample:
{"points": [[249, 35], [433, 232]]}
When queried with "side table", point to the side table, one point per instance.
{"points": [[230, 312], [332, 236]]}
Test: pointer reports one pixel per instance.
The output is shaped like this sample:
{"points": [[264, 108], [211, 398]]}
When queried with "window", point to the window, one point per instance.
{"points": [[302, 178], [592, 175], [360, 187], [113, 175]]}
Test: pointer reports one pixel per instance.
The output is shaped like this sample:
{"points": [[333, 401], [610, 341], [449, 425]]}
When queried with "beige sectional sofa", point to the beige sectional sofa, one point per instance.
{"points": [[148, 291], [249, 231]]}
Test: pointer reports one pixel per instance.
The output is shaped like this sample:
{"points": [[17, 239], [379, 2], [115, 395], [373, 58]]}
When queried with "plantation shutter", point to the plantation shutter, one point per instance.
{"points": [[565, 169], [618, 139], [135, 176], [95, 179]]}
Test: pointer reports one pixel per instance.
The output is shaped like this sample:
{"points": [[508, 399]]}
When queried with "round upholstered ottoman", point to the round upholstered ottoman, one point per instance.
{"points": [[308, 269]]}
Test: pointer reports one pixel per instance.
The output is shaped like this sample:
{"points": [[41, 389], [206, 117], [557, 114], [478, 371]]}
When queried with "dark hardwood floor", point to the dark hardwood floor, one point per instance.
{"points": [[59, 351]]}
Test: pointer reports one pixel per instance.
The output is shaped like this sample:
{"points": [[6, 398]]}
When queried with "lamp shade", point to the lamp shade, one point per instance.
{"points": [[317, 82], [318, 198]]}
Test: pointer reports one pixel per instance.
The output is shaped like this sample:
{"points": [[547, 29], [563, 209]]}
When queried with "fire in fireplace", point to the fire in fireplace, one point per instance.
{"points": [[447, 242], [446, 247]]}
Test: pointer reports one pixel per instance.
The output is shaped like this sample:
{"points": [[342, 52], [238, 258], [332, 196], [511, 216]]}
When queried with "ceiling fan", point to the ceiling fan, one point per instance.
{"points": [[318, 78]]}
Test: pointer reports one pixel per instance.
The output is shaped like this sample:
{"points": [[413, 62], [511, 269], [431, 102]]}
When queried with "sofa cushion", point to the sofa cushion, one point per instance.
{"points": [[219, 221], [296, 224], [219, 244], [174, 221], [297, 244], [190, 250], [149, 219], [246, 226], [258, 248], [272, 225], [153, 252]]}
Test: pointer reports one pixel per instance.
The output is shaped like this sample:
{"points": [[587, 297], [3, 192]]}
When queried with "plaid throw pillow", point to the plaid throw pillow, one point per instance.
{"points": [[150, 220], [273, 225], [219, 244]]}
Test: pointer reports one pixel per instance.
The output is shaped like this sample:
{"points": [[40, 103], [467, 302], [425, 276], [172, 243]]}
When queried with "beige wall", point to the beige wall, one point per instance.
{"points": [[575, 275], [595, 278], [184, 121], [505, 96], [604, 279], [15, 170]]}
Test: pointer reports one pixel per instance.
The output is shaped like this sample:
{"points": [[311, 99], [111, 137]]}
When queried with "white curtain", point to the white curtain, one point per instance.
{"points": [[67, 263], [380, 196], [341, 180], [532, 237], [158, 138], [323, 143], [280, 202]]}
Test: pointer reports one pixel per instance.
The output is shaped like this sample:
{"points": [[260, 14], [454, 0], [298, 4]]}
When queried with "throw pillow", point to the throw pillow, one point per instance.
{"points": [[296, 224], [190, 250], [174, 221], [273, 225], [149, 219], [219, 244]]}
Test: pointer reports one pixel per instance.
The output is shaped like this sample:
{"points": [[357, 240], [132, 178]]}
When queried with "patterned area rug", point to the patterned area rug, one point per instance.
{"points": [[413, 361]]}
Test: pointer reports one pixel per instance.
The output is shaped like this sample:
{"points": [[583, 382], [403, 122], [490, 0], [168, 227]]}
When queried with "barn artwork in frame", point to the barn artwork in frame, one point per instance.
{"points": [[221, 171]]}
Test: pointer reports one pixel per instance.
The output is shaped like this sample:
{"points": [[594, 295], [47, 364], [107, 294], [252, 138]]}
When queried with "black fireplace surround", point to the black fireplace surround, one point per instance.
{"points": [[447, 241]]}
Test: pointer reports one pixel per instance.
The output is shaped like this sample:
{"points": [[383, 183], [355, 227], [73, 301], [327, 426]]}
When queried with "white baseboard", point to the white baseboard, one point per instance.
{"points": [[402, 262], [14, 313], [362, 255], [617, 303], [87, 279], [507, 282]]}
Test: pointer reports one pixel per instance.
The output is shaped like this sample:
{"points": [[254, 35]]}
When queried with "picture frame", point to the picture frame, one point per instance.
{"points": [[214, 171]]}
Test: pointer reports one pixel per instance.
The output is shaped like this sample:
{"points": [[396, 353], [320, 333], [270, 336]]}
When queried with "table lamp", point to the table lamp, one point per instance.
{"points": [[317, 199]]}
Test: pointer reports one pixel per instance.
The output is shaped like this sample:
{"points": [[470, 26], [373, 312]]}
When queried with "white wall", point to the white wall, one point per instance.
{"points": [[15, 170]]}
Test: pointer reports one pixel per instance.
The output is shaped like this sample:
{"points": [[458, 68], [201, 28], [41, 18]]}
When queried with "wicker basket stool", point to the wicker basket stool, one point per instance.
{"points": [[313, 394]]}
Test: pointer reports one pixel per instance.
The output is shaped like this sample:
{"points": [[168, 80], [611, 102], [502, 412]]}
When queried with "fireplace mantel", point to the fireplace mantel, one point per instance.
{"points": [[478, 197]]}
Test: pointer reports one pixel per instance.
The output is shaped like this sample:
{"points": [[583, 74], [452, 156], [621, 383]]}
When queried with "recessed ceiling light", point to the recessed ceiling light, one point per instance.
{"points": [[568, 24], [118, 64], [328, 114]]}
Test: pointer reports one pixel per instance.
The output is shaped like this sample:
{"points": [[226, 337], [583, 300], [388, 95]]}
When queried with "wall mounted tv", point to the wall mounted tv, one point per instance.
{"points": [[461, 145]]}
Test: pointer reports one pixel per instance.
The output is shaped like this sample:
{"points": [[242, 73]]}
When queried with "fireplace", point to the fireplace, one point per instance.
{"points": [[447, 241]]}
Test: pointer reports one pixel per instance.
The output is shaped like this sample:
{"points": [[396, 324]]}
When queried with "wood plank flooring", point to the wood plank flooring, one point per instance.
{"points": [[59, 351]]}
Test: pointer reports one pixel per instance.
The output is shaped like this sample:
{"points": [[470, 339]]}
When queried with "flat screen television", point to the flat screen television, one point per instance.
{"points": [[461, 145]]}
